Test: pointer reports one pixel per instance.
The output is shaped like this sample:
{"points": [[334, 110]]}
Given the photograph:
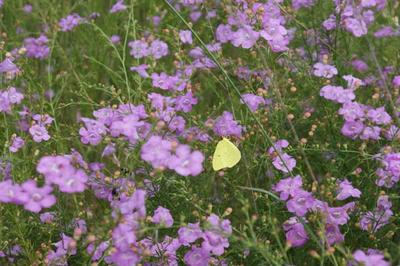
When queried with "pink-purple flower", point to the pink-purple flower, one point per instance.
{"points": [[16, 144], [37, 197], [118, 7], [324, 70], [163, 217], [70, 22], [347, 190], [39, 133], [301, 202], [186, 36], [245, 37], [369, 259]]}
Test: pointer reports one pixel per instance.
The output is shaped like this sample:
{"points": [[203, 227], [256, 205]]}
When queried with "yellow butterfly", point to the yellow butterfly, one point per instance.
{"points": [[226, 155]]}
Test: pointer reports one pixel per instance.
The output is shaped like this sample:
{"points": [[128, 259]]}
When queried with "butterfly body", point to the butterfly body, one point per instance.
{"points": [[226, 155]]}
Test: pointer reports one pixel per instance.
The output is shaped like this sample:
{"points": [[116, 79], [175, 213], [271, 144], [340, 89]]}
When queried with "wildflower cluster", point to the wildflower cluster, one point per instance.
{"points": [[115, 114]]}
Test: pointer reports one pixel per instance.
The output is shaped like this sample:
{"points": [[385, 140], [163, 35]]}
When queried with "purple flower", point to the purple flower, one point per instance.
{"points": [[278, 146], [195, 15], [352, 111], [16, 144], [123, 257], [337, 94], [163, 217], [54, 168], [196, 53], [284, 163], [396, 81], [158, 49], [369, 260], [141, 70], [186, 36], [189, 234], [288, 187], [192, 3], [9, 68], [300, 203], [132, 204], [197, 257], [211, 14], [43, 119], [64, 246], [368, 3], [273, 31], [5, 169], [359, 65], [368, 16], [27, 8], [276, 34], [156, 151], [372, 221], [333, 234], [156, 20], [185, 162], [392, 132], [295, 233], [115, 39], [346, 190], [197, 134], [379, 116], [352, 129], [371, 133], [352, 82], [93, 131], [222, 227], [123, 236], [253, 101], [338, 215], [383, 203], [47, 217], [330, 23], [91, 137], [224, 33], [385, 32], [37, 48], [39, 133], [214, 243], [118, 7], [185, 102], [245, 37], [225, 126], [162, 81], [139, 49], [356, 26], [128, 127], [323, 70], [98, 252], [70, 22], [37, 197], [297, 4], [391, 163], [73, 183], [109, 150], [12, 193], [167, 250], [158, 101], [177, 124]]}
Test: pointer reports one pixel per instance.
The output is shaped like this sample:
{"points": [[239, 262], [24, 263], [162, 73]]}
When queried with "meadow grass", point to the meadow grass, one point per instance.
{"points": [[86, 72]]}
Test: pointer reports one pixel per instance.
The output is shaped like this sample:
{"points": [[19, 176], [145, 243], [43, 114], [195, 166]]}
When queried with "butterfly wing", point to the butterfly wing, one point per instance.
{"points": [[218, 162], [226, 155]]}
